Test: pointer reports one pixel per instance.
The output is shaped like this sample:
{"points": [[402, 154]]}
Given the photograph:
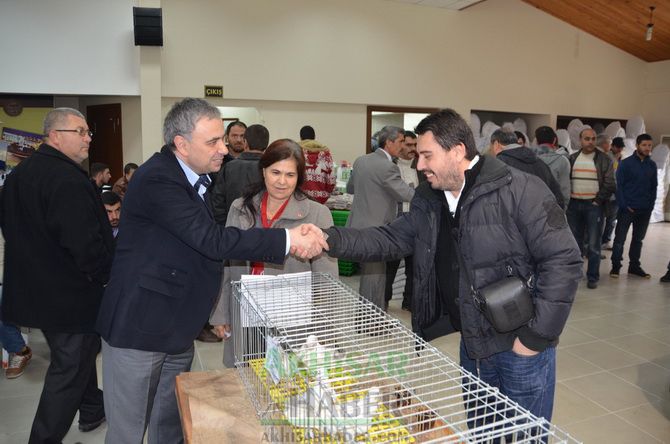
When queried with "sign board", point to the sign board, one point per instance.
{"points": [[213, 91]]}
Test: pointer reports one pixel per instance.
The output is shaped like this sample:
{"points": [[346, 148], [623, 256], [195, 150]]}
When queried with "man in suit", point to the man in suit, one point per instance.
{"points": [[406, 161], [58, 254], [377, 187], [167, 272]]}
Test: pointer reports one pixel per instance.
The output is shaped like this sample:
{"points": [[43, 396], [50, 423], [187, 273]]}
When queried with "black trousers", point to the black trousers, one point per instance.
{"points": [[71, 384], [391, 270]]}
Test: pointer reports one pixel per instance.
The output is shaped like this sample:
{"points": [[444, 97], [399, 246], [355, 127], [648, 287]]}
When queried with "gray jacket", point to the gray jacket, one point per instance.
{"points": [[559, 165], [377, 187], [507, 220], [297, 212]]}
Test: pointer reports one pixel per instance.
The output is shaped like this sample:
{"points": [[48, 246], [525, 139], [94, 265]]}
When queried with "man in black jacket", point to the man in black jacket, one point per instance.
{"points": [[235, 176], [505, 147], [58, 255], [504, 222]]}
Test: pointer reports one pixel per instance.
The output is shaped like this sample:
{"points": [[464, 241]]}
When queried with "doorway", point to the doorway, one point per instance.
{"points": [[404, 117], [107, 143]]}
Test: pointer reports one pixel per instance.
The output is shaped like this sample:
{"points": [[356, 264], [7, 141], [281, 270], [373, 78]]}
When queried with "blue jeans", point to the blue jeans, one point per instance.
{"points": [[640, 221], [584, 215], [10, 335], [528, 380]]}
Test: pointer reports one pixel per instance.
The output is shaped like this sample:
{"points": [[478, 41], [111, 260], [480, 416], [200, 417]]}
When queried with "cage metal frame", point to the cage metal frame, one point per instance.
{"points": [[421, 394]]}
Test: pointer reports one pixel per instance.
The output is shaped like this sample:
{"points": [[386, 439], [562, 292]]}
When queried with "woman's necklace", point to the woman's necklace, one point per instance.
{"points": [[268, 218]]}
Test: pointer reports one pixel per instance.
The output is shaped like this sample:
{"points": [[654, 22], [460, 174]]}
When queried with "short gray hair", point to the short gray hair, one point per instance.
{"points": [[389, 132], [57, 117], [182, 117], [602, 137], [504, 137]]}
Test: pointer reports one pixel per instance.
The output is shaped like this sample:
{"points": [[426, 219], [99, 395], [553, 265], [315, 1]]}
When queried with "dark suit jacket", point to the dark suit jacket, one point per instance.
{"points": [[232, 181], [167, 268], [58, 249]]}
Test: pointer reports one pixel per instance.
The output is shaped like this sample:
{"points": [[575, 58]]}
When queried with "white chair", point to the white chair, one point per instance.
{"points": [[475, 125], [635, 127], [661, 156], [563, 137], [520, 125], [574, 128], [612, 130]]}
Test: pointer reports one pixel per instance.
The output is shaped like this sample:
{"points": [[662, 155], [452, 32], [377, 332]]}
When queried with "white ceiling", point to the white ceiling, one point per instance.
{"points": [[446, 4]]}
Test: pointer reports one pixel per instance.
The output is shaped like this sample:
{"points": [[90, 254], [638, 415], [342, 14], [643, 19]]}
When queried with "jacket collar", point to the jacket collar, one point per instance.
{"points": [[492, 175], [249, 155], [385, 154], [169, 155], [47, 150]]}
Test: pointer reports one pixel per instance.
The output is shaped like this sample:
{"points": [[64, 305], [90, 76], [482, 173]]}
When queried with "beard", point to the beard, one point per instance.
{"points": [[237, 148]]}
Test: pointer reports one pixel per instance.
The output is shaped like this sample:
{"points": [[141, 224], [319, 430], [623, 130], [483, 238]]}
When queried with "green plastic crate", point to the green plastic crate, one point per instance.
{"points": [[347, 268], [340, 217]]}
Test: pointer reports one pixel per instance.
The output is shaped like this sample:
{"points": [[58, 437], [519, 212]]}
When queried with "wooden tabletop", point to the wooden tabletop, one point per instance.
{"points": [[214, 408]]}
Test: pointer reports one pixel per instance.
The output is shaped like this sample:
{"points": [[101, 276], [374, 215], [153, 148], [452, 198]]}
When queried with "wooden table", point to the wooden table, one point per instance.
{"points": [[214, 408]]}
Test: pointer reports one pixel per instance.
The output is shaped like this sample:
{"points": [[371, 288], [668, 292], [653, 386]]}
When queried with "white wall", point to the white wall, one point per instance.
{"points": [[656, 109], [68, 47], [500, 54], [339, 126], [352, 51], [321, 62]]}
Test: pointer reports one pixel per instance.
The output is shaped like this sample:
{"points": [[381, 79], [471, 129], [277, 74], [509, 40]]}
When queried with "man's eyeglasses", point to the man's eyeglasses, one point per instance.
{"points": [[589, 138], [81, 131]]}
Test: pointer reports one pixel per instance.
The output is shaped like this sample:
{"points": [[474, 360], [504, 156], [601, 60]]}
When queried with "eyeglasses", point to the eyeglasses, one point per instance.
{"points": [[81, 131], [589, 138]]}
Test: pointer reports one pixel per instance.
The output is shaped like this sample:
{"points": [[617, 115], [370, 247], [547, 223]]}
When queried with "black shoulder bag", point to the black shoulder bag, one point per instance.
{"points": [[507, 304]]}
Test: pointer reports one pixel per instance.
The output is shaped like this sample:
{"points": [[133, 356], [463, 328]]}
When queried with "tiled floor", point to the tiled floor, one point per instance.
{"points": [[613, 361]]}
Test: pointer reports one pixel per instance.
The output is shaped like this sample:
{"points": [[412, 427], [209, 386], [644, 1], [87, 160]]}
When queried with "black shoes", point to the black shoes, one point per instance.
{"points": [[666, 277], [638, 271], [89, 426], [615, 272], [592, 284]]}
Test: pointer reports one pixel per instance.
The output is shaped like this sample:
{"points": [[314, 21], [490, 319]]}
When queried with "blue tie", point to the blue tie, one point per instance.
{"points": [[202, 180]]}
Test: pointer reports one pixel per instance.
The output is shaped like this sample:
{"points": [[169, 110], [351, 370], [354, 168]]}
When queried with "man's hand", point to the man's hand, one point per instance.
{"points": [[307, 241], [222, 331], [521, 349]]}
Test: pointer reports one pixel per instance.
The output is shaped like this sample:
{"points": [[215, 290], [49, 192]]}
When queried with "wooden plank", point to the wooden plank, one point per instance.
{"points": [[214, 408], [621, 23]]}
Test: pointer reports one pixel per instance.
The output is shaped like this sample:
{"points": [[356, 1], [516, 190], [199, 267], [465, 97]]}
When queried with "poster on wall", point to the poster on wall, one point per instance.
{"points": [[16, 145]]}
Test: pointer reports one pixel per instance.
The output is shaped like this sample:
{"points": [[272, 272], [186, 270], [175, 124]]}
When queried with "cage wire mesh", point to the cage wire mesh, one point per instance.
{"points": [[321, 364]]}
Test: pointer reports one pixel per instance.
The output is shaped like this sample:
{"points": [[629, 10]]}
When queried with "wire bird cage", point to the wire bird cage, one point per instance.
{"points": [[323, 365]]}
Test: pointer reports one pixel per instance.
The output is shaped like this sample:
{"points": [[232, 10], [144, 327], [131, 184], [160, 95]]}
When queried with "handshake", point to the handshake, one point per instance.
{"points": [[307, 241]]}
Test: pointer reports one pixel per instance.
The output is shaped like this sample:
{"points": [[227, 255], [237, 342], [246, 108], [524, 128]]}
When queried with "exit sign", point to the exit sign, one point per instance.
{"points": [[213, 91]]}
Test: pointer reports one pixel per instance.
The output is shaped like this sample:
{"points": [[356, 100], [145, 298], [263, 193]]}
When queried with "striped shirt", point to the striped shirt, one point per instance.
{"points": [[584, 177]]}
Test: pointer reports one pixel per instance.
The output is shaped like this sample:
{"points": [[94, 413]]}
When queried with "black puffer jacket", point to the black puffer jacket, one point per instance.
{"points": [[507, 219]]}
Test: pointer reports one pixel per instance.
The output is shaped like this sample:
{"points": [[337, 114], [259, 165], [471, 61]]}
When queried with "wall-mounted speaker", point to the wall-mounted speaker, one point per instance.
{"points": [[148, 25]]}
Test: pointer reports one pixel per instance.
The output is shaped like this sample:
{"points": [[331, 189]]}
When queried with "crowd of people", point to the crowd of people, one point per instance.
{"points": [[136, 270]]}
